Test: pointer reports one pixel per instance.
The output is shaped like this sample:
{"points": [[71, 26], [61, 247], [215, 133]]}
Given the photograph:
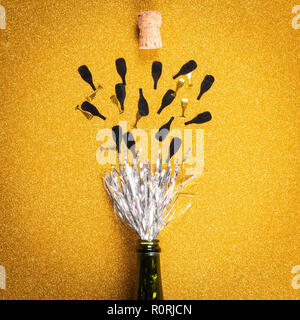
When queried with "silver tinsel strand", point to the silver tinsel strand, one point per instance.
{"points": [[144, 197]]}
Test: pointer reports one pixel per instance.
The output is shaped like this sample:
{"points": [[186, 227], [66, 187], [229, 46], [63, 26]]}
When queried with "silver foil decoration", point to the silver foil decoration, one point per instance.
{"points": [[143, 196]]}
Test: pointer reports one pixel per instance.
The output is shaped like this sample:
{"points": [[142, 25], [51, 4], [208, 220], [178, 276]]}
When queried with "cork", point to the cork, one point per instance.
{"points": [[149, 23]]}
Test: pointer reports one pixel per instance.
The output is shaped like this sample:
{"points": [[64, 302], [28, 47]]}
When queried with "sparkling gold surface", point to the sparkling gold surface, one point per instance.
{"points": [[59, 238]]}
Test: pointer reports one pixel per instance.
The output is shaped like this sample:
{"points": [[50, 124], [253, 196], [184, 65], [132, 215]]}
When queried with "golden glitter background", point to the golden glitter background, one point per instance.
{"points": [[59, 238]]}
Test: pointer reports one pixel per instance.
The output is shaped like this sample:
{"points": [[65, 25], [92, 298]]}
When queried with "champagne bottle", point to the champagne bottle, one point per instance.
{"points": [[186, 68], [143, 104], [200, 118], [164, 130], [120, 94], [174, 147], [130, 142], [143, 109], [117, 136], [121, 69], [86, 76], [149, 277], [166, 100], [156, 72], [91, 109], [206, 84]]}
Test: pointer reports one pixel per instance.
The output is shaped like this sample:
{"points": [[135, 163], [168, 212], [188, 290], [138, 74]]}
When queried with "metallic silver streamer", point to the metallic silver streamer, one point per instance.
{"points": [[144, 198]]}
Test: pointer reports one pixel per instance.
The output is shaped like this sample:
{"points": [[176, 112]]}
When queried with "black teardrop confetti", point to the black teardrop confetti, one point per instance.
{"points": [[186, 68], [174, 147], [130, 142], [156, 72], [86, 75], [117, 136], [206, 84], [121, 94], [88, 107], [121, 69], [166, 100], [164, 130], [143, 105], [200, 118]]}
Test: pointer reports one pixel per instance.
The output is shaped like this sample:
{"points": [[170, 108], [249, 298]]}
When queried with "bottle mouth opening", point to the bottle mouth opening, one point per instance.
{"points": [[148, 246]]}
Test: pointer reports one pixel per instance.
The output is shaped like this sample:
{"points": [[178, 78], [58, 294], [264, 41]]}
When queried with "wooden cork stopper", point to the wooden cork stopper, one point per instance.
{"points": [[149, 23]]}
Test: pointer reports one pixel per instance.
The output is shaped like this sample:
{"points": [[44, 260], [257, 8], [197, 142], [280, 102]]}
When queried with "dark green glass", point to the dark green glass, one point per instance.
{"points": [[149, 277]]}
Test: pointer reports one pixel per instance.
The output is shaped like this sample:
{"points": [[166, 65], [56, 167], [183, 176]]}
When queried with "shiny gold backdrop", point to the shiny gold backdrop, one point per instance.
{"points": [[59, 238]]}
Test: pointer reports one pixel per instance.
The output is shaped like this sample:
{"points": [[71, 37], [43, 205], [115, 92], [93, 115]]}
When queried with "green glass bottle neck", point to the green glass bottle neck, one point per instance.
{"points": [[149, 277]]}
